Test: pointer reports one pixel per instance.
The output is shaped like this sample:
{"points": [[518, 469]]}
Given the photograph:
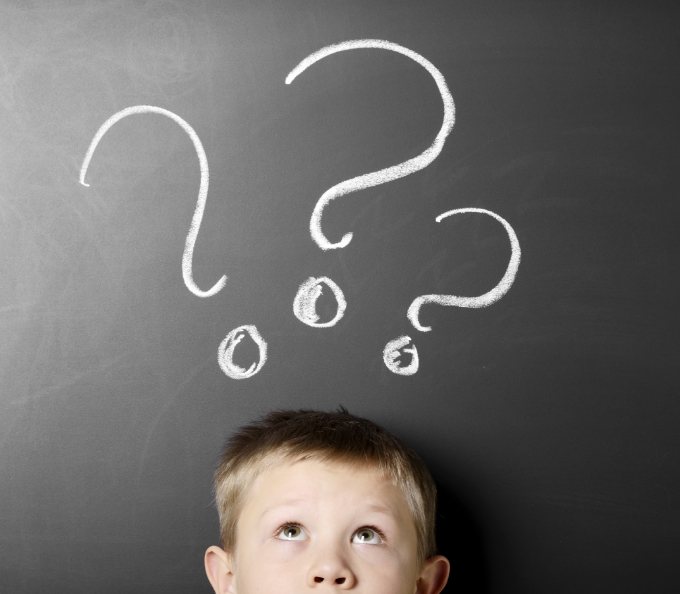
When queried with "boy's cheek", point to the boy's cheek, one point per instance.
{"points": [[385, 556], [277, 552]]}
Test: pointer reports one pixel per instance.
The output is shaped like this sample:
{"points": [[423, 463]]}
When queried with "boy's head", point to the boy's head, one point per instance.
{"points": [[323, 498]]}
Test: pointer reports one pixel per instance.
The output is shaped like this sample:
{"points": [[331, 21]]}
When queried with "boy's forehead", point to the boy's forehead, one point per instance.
{"points": [[294, 482]]}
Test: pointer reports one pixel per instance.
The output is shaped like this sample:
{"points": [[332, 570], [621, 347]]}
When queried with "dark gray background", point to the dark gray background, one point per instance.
{"points": [[550, 419]]}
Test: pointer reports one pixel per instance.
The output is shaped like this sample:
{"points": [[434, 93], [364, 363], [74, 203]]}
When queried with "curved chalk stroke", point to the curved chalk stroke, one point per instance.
{"points": [[482, 300], [188, 255], [381, 176], [225, 352], [391, 354], [304, 304]]}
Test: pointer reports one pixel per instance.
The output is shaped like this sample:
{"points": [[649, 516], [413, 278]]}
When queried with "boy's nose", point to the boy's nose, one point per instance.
{"points": [[332, 572]]}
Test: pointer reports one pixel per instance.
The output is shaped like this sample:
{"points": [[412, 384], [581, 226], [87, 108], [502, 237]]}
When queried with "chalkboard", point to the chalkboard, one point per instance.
{"points": [[185, 271]]}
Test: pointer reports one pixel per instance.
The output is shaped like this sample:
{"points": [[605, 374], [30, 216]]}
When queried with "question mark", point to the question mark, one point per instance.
{"points": [[226, 349], [309, 291], [188, 255], [387, 174], [394, 348]]}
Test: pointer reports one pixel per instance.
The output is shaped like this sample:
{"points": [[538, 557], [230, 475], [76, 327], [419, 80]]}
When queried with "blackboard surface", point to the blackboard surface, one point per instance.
{"points": [[550, 417]]}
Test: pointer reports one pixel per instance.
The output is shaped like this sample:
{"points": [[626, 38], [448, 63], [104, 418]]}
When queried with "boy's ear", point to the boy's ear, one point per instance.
{"points": [[219, 569], [434, 575]]}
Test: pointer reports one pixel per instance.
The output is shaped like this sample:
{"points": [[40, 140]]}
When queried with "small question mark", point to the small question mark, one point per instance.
{"points": [[374, 178], [394, 348], [226, 349]]}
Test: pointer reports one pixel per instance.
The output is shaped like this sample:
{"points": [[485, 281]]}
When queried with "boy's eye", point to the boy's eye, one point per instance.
{"points": [[291, 532], [368, 535]]}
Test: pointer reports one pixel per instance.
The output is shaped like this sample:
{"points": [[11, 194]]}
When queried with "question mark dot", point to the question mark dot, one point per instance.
{"points": [[225, 352], [305, 302], [399, 357]]}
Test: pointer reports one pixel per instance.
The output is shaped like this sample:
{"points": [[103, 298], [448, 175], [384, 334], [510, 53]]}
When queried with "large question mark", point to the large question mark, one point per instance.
{"points": [[387, 174], [394, 348], [308, 293], [229, 344], [188, 255]]}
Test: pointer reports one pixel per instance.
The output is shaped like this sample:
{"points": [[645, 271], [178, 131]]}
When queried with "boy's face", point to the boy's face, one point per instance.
{"points": [[324, 526]]}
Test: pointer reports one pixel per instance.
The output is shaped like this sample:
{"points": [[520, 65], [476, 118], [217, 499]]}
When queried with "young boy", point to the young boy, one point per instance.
{"points": [[310, 500]]}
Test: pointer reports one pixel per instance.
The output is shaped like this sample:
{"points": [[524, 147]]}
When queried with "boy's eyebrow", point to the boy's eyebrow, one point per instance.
{"points": [[390, 513], [381, 509], [284, 503]]}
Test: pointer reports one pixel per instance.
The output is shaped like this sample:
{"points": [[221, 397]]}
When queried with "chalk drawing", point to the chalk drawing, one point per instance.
{"points": [[188, 255], [225, 352], [387, 174], [482, 300], [304, 304], [394, 350]]}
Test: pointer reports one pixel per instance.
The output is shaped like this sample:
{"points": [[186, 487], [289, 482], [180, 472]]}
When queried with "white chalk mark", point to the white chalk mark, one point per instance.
{"points": [[393, 351], [304, 304], [188, 255], [387, 174], [225, 352], [482, 300]]}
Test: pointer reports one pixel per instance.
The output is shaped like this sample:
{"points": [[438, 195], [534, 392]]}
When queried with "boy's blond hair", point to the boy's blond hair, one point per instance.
{"points": [[293, 435]]}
